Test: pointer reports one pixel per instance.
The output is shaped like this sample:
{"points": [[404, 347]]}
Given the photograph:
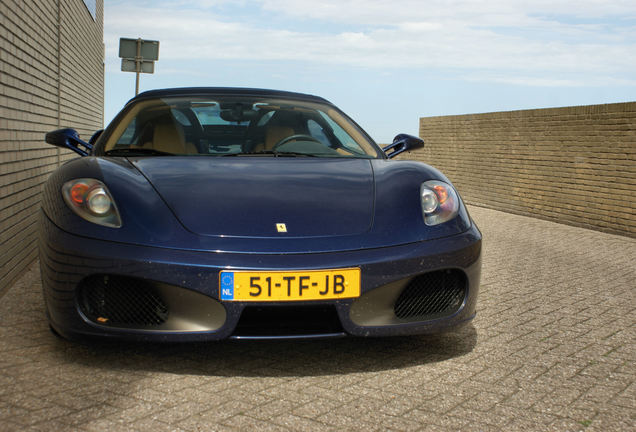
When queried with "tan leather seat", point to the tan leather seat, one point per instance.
{"points": [[273, 135], [168, 137]]}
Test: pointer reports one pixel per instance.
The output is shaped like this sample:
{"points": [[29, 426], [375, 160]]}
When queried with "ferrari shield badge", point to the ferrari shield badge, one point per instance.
{"points": [[281, 227]]}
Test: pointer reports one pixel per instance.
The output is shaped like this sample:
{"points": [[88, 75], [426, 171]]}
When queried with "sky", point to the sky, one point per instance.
{"points": [[386, 63]]}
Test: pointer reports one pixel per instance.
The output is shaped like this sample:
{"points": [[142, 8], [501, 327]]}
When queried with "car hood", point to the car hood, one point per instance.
{"points": [[251, 196]]}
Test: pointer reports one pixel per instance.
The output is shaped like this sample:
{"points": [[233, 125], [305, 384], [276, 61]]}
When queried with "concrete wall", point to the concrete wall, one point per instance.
{"points": [[51, 76], [574, 165]]}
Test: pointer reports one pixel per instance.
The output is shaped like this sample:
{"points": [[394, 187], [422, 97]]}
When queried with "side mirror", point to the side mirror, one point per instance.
{"points": [[69, 139], [95, 137], [402, 143]]}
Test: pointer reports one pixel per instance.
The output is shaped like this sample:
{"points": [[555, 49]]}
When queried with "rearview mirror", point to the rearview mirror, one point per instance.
{"points": [[402, 143], [69, 139]]}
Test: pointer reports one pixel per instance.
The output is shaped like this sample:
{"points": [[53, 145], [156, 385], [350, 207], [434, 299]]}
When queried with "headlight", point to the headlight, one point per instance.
{"points": [[90, 199], [440, 202]]}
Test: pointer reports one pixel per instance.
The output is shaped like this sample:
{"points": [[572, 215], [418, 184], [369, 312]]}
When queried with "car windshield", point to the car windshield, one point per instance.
{"points": [[236, 126]]}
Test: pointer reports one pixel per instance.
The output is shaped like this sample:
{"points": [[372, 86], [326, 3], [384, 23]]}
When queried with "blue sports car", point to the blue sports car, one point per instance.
{"points": [[213, 213]]}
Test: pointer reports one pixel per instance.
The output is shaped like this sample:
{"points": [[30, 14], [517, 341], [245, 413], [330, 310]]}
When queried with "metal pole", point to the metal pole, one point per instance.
{"points": [[138, 65]]}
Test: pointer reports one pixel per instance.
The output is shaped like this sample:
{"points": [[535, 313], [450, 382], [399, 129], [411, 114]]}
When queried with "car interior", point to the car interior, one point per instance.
{"points": [[213, 128]]}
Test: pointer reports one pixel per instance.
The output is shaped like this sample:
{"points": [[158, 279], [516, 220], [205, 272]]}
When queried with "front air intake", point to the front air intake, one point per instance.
{"points": [[120, 301], [432, 295], [288, 321]]}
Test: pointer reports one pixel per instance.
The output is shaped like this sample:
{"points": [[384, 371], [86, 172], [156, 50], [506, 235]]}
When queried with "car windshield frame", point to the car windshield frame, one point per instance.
{"points": [[234, 125]]}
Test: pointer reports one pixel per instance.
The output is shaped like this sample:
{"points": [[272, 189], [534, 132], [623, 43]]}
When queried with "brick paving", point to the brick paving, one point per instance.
{"points": [[553, 347]]}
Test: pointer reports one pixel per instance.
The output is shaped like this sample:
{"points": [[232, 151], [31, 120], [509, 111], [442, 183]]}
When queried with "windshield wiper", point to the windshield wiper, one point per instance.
{"points": [[275, 153], [286, 153], [137, 152]]}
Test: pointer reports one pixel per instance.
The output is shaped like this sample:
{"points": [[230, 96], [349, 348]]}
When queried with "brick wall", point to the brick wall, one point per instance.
{"points": [[574, 165], [51, 76]]}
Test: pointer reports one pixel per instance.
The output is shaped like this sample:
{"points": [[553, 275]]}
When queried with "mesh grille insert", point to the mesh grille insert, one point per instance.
{"points": [[432, 295], [121, 301]]}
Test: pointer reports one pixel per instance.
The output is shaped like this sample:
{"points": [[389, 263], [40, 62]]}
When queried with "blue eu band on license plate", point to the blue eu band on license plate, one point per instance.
{"points": [[297, 285], [227, 286]]}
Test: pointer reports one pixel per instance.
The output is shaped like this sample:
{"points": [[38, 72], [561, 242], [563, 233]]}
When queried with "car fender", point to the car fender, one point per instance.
{"points": [[145, 217], [398, 214]]}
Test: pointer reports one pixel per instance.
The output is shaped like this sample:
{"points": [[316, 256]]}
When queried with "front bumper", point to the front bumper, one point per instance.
{"points": [[188, 282]]}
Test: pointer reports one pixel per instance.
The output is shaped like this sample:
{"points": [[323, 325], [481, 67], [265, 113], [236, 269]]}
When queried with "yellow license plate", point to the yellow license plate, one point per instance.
{"points": [[289, 285]]}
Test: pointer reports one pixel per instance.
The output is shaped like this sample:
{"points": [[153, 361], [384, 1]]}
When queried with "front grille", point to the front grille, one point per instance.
{"points": [[432, 295], [121, 302], [288, 321]]}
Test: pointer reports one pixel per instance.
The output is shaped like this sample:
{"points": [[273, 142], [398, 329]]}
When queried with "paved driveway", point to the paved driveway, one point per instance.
{"points": [[553, 347]]}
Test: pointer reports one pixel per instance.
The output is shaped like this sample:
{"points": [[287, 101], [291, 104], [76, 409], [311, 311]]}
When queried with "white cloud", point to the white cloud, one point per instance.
{"points": [[483, 12], [501, 40]]}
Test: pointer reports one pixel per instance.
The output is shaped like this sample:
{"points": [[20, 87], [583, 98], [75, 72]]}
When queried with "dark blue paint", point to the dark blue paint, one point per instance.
{"points": [[69, 139], [247, 196], [187, 218], [66, 259], [391, 217], [402, 143]]}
